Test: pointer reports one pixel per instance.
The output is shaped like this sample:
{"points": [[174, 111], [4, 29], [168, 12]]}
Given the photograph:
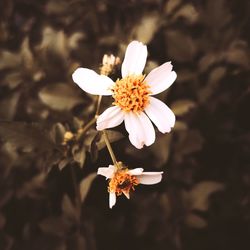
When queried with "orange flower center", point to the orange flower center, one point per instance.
{"points": [[122, 182], [131, 93]]}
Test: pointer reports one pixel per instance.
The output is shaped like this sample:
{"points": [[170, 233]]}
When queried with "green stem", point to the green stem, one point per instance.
{"points": [[98, 105], [111, 152], [86, 127], [105, 135]]}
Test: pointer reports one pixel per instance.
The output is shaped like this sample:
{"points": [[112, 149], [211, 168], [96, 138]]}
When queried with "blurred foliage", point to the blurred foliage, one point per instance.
{"points": [[203, 201]]}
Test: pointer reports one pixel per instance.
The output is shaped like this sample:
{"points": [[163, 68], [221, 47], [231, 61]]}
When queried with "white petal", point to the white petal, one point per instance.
{"points": [[89, 81], [126, 194], [161, 115], [136, 171], [152, 173], [140, 129], [110, 118], [149, 178], [161, 78], [135, 59], [112, 199], [107, 172]]}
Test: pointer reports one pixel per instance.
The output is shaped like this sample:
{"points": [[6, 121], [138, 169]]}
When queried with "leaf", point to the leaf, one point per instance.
{"points": [[77, 123], [238, 53], [13, 79], [171, 5], [69, 209], [55, 7], [150, 23], [23, 57], [150, 66], [25, 135], [5, 197], [198, 197], [185, 75], [79, 154], [216, 75], [181, 47], [165, 203], [56, 226], [2, 221], [30, 187], [85, 185], [217, 14], [180, 126], [63, 163], [26, 54], [74, 40], [94, 148], [9, 60], [189, 141], [80, 241], [181, 107], [57, 133], [31, 142], [8, 106], [54, 41], [207, 61], [195, 221], [60, 96], [161, 149], [188, 12], [213, 82], [89, 137]]}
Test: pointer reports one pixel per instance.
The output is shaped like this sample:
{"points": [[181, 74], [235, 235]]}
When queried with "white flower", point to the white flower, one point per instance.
{"points": [[133, 96], [123, 180]]}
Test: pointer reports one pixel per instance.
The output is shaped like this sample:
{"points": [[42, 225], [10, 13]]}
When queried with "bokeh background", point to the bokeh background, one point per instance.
{"points": [[203, 201]]}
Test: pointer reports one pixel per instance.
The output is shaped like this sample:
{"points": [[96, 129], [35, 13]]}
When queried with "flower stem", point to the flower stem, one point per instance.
{"points": [[111, 152], [86, 127], [105, 135], [98, 105]]}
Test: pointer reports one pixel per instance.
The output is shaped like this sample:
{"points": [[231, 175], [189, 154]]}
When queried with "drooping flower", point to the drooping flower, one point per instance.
{"points": [[133, 96], [123, 180]]}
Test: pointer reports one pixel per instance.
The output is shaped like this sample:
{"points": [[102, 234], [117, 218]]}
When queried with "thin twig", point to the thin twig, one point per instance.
{"points": [[111, 152], [98, 105]]}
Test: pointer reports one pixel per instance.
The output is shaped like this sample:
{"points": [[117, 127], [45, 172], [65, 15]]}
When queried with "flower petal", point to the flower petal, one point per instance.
{"points": [[136, 171], [135, 59], [149, 178], [161, 78], [126, 194], [161, 115], [110, 118], [140, 129], [112, 199], [107, 172], [89, 81]]}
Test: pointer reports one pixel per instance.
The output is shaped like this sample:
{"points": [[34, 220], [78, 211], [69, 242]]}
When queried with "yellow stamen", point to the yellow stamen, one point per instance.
{"points": [[122, 182], [131, 93]]}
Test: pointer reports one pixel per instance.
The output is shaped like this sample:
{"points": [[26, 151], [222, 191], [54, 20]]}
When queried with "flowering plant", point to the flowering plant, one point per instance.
{"points": [[135, 105]]}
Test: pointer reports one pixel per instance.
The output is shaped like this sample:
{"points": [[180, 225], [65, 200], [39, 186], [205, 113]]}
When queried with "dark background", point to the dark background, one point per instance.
{"points": [[203, 202]]}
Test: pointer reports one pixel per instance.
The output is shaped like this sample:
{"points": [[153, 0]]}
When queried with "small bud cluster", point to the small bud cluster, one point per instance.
{"points": [[109, 62]]}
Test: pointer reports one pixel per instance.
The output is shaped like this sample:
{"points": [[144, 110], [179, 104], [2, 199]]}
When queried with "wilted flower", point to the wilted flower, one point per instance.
{"points": [[123, 180], [133, 101]]}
